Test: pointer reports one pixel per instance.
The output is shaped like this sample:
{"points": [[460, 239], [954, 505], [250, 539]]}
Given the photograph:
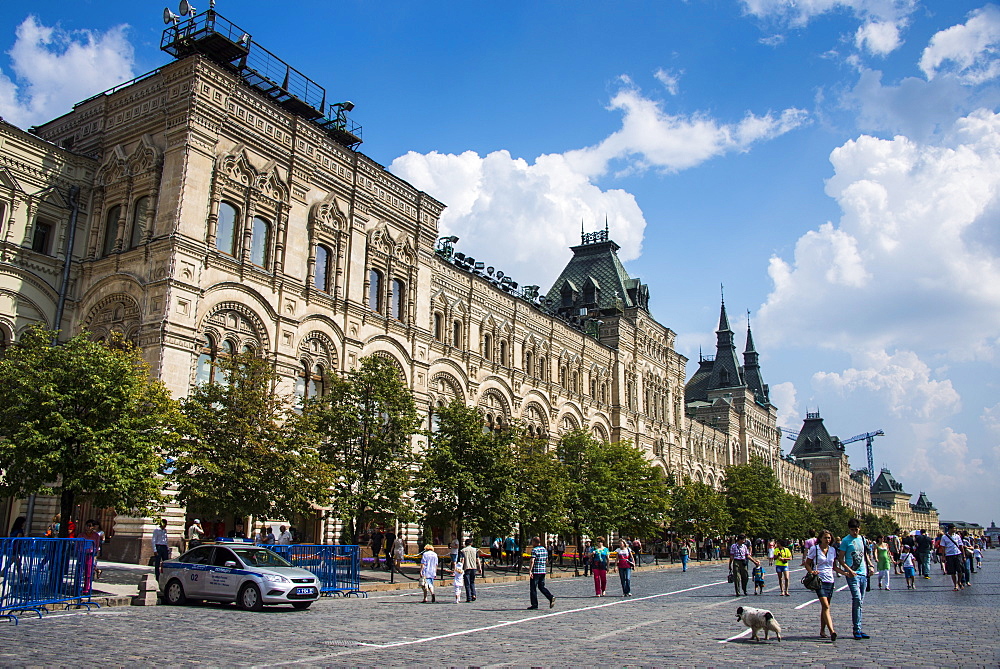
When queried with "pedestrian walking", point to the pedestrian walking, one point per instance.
{"points": [[375, 543], [770, 553], [906, 561], [953, 557], [585, 556], [90, 567], [390, 539], [739, 556], [458, 580], [539, 558], [884, 562], [636, 553], [857, 563], [821, 560], [685, 554], [161, 549], [453, 549], [599, 565], [428, 572], [398, 554], [782, 556], [923, 556], [625, 564], [472, 563]]}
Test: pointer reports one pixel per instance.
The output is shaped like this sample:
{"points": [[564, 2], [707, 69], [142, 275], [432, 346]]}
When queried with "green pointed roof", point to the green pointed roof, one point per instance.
{"points": [[595, 278]]}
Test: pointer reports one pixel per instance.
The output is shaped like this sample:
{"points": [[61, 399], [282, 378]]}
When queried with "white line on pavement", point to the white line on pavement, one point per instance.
{"points": [[738, 636], [485, 628], [623, 630]]}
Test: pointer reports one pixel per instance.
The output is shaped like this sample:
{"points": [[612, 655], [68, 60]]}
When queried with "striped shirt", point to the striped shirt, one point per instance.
{"points": [[541, 556], [739, 552]]}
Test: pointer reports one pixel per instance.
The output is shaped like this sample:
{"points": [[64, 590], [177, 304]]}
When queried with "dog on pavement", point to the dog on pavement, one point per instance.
{"points": [[757, 620]]}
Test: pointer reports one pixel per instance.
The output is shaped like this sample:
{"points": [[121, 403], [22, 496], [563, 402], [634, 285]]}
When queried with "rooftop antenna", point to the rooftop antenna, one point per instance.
{"points": [[605, 223]]}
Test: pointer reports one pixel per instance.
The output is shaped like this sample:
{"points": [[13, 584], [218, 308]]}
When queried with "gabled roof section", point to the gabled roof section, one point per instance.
{"points": [[596, 268], [886, 483], [923, 504], [814, 441], [697, 388]]}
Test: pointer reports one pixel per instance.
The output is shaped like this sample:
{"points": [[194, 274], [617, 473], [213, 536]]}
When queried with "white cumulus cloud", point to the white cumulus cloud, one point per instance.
{"points": [[902, 380], [914, 262], [969, 51], [942, 458], [784, 396], [525, 214], [882, 21], [53, 68], [669, 79]]}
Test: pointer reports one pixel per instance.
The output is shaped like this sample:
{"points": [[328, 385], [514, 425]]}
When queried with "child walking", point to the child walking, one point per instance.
{"points": [[459, 572], [909, 568], [758, 579]]}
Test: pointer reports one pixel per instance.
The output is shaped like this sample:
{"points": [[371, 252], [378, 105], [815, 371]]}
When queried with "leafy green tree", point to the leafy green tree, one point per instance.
{"points": [[366, 421], [751, 492], [699, 510], [83, 419], [541, 488], [833, 516], [611, 487], [249, 451], [468, 472], [795, 517], [879, 526]]}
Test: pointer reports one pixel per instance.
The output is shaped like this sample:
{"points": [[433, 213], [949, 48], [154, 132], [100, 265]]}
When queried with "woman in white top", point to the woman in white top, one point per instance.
{"points": [[822, 560], [428, 570]]}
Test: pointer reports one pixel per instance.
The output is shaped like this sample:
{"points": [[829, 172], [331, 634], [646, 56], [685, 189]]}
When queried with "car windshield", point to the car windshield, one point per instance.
{"points": [[260, 557]]}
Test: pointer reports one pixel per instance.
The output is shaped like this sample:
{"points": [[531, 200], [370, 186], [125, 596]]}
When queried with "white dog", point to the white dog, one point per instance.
{"points": [[757, 620]]}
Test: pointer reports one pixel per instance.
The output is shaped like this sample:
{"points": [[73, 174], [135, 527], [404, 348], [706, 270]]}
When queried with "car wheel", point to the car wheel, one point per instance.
{"points": [[301, 606], [174, 593], [249, 598]]}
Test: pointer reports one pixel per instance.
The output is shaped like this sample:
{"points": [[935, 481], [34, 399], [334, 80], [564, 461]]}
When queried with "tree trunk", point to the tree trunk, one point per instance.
{"points": [[67, 502]]}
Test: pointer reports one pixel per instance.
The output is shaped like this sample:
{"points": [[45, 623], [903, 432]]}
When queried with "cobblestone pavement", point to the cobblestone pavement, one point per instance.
{"points": [[672, 619]]}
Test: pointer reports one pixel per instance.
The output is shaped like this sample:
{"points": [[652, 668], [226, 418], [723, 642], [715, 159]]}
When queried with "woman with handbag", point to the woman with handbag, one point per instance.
{"points": [[821, 562], [625, 565]]}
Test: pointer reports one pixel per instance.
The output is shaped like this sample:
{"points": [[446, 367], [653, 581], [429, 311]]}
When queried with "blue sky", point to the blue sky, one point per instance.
{"points": [[834, 163]]}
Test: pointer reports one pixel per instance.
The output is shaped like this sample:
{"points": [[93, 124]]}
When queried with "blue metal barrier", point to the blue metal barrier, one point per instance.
{"points": [[35, 573], [337, 567]]}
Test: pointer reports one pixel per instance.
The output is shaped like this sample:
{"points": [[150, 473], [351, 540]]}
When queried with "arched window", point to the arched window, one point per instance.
{"points": [[456, 334], [397, 310], [562, 376], [205, 371], [488, 346], [259, 241], [502, 353], [225, 232], [311, 381], [542, 369], [375, 290], [111, 229], [139, 213], [321, 280], [576, 381], [528, 368], [593, 387], [438, 326]]}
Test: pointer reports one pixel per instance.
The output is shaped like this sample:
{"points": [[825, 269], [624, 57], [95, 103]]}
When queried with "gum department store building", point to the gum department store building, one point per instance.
{"points": [[212, 206]]}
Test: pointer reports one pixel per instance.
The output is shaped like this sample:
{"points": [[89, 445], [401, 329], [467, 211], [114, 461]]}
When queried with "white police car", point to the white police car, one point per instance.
{"points": [[249, 575]]}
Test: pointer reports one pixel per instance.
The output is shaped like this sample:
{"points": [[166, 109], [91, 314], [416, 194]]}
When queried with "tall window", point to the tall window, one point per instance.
{"points": [[41, 240], [438, 326], [206, 361], [111, 229], [321, 281], [488, 346], [456, 334], [502, 353], [225, 233], [139, 212], [528, 368], [542, 369], [310, 382], [375, 290], [397, 310], [259, 237]]}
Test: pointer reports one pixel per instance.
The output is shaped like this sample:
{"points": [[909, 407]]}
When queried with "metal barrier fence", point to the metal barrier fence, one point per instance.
{"points": [[35, 573], [338, 568]]}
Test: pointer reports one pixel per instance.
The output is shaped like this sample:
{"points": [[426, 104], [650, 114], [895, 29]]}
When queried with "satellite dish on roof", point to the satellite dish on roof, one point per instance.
{"points": [[186, 8], [169, 17]]}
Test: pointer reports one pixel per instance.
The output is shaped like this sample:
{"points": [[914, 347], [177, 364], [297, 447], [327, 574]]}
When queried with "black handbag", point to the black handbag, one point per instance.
{"points": [[812, 581], [730, 578]]}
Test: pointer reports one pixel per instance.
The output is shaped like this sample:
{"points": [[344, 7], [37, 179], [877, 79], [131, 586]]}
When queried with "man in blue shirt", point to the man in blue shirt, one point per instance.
{"points": [[852, 554], [539, 560]]}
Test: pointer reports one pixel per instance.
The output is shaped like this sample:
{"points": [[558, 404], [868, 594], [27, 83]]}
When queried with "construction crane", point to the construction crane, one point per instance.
{"points": [[868, 437]]}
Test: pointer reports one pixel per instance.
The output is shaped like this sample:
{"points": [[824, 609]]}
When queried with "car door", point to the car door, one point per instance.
{"points": [[223, 576], [194, 571]]}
